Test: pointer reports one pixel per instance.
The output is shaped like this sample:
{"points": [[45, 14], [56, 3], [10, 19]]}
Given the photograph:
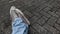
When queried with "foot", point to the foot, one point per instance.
{"points": [[14, 12]]}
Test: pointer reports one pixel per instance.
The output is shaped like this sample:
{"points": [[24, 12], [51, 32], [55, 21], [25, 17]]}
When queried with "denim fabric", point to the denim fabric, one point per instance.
{"points": [[19, 27]]}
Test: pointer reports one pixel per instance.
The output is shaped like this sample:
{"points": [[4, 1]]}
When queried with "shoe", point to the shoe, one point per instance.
{"points": [[14, 12], [13, 15]]}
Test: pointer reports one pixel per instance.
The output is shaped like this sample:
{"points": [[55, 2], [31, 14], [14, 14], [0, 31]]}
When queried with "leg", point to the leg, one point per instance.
{"points": [[19, 21], [19, 27]]}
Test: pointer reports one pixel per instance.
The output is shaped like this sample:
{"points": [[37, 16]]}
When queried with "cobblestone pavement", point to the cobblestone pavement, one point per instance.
{"points": [[44, 15]]}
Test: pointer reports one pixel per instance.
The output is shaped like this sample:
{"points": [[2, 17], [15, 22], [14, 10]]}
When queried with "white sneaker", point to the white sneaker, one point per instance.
{"points": [[14, 12]]}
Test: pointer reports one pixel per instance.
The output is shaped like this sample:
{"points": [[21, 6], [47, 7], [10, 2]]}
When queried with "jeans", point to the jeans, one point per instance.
{"points": [[19, 27]]}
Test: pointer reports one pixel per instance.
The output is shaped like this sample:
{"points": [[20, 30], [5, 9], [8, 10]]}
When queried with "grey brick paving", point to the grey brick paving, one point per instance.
{"points": [[39, 29], [31, 31], [41, 21], [58, 21], [57, 26], [52, 21], [49, 28], [44, 15]]}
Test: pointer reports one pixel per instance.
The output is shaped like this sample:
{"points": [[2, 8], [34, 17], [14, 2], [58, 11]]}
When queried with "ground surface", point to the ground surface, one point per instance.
{"points": [[44, 15]]}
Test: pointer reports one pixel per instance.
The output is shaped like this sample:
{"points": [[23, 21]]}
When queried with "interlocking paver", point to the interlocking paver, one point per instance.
{"points": [[52, 21], [58, 21], [57, 26], [39, 28], [44, 15], [41, 21], [50, 28]]}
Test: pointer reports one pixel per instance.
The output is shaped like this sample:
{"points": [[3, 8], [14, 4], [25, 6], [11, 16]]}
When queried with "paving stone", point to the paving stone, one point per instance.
{"points": [[58, 21], [53, 9], [41, 21], [58, 12], [51, 1], [32, 31], [9, 30], [33, 7], [52, 21], [47, 9], [53, 14], [50, 28], [45, 14], [39, 29], [33, 19], [41, 7], [28, 13], [55, 4], [1, 32], [37, 14], [49, 32], [45, 18], [57, 26]]}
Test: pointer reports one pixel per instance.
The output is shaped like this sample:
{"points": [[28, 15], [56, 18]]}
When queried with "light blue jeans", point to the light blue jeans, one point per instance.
{"points": [[19, 27]]}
